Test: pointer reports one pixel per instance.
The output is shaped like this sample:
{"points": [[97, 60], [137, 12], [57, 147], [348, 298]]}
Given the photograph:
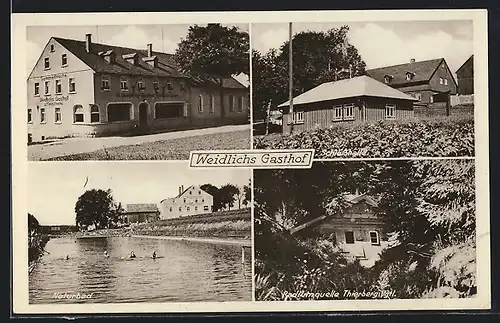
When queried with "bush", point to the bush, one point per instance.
{"points": [[438, 137]]}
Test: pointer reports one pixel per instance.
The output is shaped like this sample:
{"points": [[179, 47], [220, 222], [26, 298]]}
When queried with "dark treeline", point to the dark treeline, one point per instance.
{"points": [[36, 240]]}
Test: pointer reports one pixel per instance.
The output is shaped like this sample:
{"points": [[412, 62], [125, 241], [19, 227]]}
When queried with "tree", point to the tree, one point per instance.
{"points": [[248, 194], [316, 57], [214, 51], [97, 207], [228, 195], [214, 191]]}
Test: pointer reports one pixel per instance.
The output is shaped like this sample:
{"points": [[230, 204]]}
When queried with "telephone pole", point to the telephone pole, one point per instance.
{"points": [[290, 76]]}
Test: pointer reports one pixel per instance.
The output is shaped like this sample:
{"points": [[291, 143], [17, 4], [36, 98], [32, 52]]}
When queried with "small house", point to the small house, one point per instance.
{"points": [[350, 100], [141, 213], [357, 230], [465, 77]]}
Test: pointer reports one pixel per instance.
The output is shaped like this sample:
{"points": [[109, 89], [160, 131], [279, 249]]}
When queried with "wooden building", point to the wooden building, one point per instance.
{"points": [[429, 81], [356, 99], [357, 230], [141, 213], [465, 77], [82, 88]]}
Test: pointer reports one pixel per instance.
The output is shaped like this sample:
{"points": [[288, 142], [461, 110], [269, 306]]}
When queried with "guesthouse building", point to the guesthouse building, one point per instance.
{"points": [[190, 201], [82, 88], [357, 230], [431, 82], [349, 100]]}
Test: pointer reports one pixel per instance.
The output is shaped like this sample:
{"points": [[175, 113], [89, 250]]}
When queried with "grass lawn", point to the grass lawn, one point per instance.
{"points": [[168, 149]]}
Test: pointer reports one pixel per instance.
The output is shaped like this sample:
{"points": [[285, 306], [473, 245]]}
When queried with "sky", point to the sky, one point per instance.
{"points": [[385, 43], [133, 36], [54, 187]]}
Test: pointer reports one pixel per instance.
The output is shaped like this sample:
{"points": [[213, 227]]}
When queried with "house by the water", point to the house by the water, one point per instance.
{"points": [[190, 201], [349, 100], [82, 88], [357, 229], [141, 213], [429, 81]]}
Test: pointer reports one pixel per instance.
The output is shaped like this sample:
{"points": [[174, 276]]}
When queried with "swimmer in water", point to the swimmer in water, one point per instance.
{"points": [[132, 255], [67, 257], [154, 254], [106, 254]]}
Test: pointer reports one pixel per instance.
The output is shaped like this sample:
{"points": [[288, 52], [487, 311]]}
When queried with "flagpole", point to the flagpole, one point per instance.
{"points": [[290, 76]]}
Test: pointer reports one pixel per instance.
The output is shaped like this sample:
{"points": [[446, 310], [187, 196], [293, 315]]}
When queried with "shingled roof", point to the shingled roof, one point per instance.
{"points": [[166, 63], [360, 86], [138, 208], [422, 71]]}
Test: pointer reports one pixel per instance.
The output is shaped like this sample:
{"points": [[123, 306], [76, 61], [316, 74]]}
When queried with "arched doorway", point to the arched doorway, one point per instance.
{"points": [[143, 114]]}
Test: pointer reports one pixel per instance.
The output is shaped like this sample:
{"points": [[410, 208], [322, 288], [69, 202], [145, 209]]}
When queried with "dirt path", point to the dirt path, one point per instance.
{"points": [[71, 146]]}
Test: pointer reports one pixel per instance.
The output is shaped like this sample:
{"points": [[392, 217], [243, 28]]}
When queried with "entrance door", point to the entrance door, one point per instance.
{"points": [[143, 114]]}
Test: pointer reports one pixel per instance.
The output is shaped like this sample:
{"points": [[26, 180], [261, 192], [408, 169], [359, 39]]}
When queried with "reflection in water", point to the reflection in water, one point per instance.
{"points": [[184, 271]]}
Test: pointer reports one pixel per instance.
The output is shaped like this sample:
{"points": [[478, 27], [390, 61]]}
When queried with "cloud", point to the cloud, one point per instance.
{"points": [[272, 38], [379, 46], [137, 37]]}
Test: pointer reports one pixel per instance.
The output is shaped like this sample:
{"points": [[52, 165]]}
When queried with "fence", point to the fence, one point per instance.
{"points": [[461, 99]]}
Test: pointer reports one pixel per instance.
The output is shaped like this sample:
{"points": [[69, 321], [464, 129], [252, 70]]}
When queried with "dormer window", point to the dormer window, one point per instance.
{"points": [[153, 61], [109, 56], [410, 76], [131, 58], [387, 79]]}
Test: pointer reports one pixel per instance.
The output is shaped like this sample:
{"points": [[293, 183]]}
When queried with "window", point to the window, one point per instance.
{"points": [[71, 85], [390, 112], [37, 89], [196, 201], [171, 209], [182, 86], [57, 115], [164, 110], [94, 113], [349, 112], [374, 239], [196, 208], [431, 99], [240, 104], [199, 192], [46, 63], [64, 60], [349, 237], [170, 86], [231, 103], [78, 113], [200, 103], [156, 86], [409, 76], [387, 79], [124, 85], [52, 48], [58, 87], [441, 80], [205, 208], [184, 200], [47, 88], [337, 112], [141, 85], [445, 81], [202, 200], [42, 115], [188, 208], [105, 83], [180, 209], [211, 105], [298, 117], [119, 111], [30, 120]]}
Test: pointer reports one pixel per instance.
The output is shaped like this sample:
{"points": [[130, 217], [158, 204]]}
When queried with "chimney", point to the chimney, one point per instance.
{"points": [[180, 190], [88, 42], [412, 60], [150, 50]]}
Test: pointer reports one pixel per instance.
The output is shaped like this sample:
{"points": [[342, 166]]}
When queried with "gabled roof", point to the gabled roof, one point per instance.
{"points": [[360, 86], [465, 63], [166, 62], [137, 208], [184, 192], [422, 71], [351, 199]]}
